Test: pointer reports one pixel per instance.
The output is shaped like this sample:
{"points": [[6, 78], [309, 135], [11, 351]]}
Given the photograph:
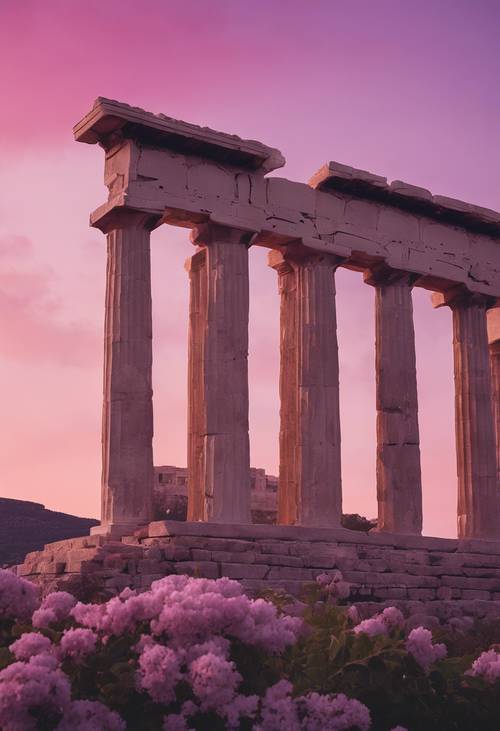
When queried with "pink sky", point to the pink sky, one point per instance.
{"points": [[406, 90]]}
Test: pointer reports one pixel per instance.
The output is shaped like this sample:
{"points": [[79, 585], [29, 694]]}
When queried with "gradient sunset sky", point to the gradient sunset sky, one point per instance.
{"points": [[409, 90]]}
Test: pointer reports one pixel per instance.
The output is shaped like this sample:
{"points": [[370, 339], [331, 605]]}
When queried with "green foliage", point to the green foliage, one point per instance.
{"points": [[329, 659], [381, 674]]}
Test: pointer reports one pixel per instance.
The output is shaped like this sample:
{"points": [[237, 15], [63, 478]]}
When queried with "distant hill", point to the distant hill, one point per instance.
{"points": [[27, 526]]}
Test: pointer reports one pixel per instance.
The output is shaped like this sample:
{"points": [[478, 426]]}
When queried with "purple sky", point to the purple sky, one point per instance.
{"points": [[406, 90]]}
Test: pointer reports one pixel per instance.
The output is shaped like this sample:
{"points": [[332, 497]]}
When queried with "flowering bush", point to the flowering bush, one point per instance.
{"points": [[197, 654], [419, 644]]}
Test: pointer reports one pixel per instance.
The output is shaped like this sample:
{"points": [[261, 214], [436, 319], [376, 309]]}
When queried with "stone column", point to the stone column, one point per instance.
{"points": [[288, 496], [478, 494], [221, 407], [494, 343], [196, 268], [127, 427], [310, 421], [399, 482]]}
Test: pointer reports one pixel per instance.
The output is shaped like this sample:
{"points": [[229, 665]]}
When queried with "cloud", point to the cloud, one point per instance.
{"points": [[32, 318]]}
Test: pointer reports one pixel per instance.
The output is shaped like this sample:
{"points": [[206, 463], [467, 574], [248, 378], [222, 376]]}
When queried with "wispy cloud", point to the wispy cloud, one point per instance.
{"points": [[32, 319]]}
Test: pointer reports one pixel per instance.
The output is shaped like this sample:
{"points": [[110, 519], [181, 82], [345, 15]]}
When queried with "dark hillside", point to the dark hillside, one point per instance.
{"points": [[27, 526]]}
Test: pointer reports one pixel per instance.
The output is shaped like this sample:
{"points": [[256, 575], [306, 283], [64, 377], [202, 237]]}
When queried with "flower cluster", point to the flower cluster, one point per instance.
{"points": [[182, 654], [381, 624], [76, 643], [312, 712], [54, 608], [420, 645], [31, 688], [487, 666], [90, 716], [189, 623], [187, 611], [18, 597], [334, 585]]}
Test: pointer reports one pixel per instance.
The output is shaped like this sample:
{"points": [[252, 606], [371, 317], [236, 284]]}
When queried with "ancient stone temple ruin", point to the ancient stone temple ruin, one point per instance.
{"points": [[398, 236]]}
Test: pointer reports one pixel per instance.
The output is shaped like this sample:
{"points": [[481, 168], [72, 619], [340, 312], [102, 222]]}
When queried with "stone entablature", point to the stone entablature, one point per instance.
{"points": [[159, 170], [434, 576]]}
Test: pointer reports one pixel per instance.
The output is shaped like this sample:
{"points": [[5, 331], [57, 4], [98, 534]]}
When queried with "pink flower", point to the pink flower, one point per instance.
{"points": [[159, 672], [18, 597], [353, 615], [333, 713], [279, 712], [487, 666], [29, 644], [392, 617], [77, 644], [313, 712], [218, 646], [372, 626], [214, 681], [90, 716], [28, 688], [54, 608], [381, 624], [419, 644], [175, 722], [242, 706], [89, 615], [334, 584], [194, 610]]}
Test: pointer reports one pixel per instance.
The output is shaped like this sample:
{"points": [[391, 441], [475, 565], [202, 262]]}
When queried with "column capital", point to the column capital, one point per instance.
{"points": [[277, 261], [197, 261], [109, 219], [382, 274], [460, 296], [296, 255], [208, 233]]}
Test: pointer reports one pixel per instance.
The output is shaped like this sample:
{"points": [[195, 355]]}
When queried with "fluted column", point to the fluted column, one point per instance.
{"points": [[399, 482], [127, 425], [196, 268], [478, 494], [494, 344], [495, 384], [219, 388], [288, 496], [310, 420]]}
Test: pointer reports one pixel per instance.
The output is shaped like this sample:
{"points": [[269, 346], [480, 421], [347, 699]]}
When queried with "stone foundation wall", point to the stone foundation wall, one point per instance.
{"points": [[432, 575]]}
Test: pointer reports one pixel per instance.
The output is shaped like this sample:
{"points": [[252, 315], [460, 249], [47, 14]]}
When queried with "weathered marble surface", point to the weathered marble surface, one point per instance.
{"points": [[310, 471], [218, 384], [127, 423], [399, 481], [476, 448]]}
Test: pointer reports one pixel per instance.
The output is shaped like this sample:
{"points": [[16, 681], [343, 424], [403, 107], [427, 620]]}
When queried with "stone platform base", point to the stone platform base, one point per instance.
{"points": [[437, 576]]}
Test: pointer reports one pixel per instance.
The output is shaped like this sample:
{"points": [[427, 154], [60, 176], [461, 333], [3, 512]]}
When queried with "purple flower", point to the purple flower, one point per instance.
{"points": [[18, 597], [27, 688], [419, 644], [381, 624], [90, 716], [486, 666], [29, 644], [159, 672], [77, 643], [54, 608]]}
